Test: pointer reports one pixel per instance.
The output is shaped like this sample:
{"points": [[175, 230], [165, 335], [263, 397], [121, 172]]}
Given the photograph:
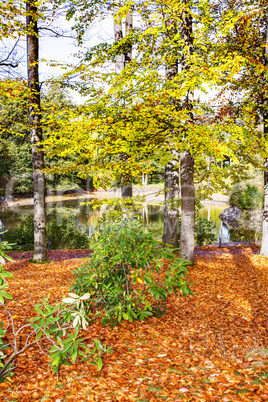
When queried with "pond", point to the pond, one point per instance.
{"points": [[86, 219]]}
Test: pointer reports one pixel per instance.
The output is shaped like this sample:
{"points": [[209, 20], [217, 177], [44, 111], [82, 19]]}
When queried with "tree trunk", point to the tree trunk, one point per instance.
{"points": [[264, 240], [126, 184], [187, 206], [186, 159], [40, 243], [171, 186], [144, 179], [126, 188], [171, 217], [120, 62], [118, 36], [129, 27]]}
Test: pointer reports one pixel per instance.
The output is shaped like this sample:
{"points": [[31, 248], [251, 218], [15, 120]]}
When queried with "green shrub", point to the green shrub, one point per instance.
{"points": [[58, 326], [244, 235], [23, 235], [248, 229], [246, 198], [125, 275], [64, 235], [204, 232]]}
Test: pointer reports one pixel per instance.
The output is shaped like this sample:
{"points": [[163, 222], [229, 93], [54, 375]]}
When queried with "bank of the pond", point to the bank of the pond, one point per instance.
{"points": [[152, 193]]}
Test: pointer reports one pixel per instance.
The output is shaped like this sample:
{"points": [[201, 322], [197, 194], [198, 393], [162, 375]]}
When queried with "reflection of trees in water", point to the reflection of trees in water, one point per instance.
{"points": [[154, 219], [11, 217], [225, 235], [153, 215], [212, 211], [86, 219]]}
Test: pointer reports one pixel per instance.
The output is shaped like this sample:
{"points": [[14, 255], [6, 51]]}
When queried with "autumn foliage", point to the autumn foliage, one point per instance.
{"points": [[210, 347]]}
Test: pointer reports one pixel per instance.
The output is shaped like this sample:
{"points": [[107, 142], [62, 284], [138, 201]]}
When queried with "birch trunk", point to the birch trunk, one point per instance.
{"points": [[40, 243]]}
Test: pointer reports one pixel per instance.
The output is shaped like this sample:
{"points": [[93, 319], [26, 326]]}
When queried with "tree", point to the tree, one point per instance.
{"points": [[34, 14], [15, 148], [171, 187], [121, 60], [249, 86], [172, 193], [264, 244], [139, 113], [40, 242], [186, 159]]}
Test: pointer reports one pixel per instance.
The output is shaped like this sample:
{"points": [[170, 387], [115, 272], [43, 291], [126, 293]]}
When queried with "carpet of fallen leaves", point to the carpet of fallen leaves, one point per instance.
{"points": [[210, 347]]}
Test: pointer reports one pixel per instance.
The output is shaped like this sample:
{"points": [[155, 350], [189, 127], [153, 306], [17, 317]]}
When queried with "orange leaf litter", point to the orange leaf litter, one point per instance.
{"points": [[210, 347]]}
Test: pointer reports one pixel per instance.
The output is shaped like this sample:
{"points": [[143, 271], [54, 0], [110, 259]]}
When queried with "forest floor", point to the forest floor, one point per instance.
{"points": [[208, 347]]}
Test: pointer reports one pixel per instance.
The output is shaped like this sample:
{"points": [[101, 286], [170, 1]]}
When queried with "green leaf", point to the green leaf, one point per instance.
{"points": [[74, 356], [39, 335], [6, 295], [98, 345], [125, 316], [56, 359], [74, 296], [99, 363], [38, 310]]}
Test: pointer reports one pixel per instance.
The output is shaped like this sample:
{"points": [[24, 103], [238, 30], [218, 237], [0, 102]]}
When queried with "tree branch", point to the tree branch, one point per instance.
{"points": [[10, 64], [57, 34]]}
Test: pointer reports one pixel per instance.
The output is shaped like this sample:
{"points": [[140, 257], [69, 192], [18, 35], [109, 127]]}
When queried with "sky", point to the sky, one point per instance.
{"points": [[63, 49], [59, 49]]}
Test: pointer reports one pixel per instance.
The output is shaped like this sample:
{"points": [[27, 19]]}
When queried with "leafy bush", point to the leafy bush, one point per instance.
{"points": [[125, 275], [248, 229], [57, 325], [22, 236], [204, 232], [64, 235], [246, 198], [243, 234], [5, 368]]}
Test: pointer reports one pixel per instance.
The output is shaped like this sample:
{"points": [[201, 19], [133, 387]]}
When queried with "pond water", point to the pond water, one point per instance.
{"points": [[86, 219]]}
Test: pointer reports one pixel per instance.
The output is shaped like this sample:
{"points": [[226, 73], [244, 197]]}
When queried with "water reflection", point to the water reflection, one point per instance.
{"points": [[86, 219], [224, 234], [211, 211]]}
